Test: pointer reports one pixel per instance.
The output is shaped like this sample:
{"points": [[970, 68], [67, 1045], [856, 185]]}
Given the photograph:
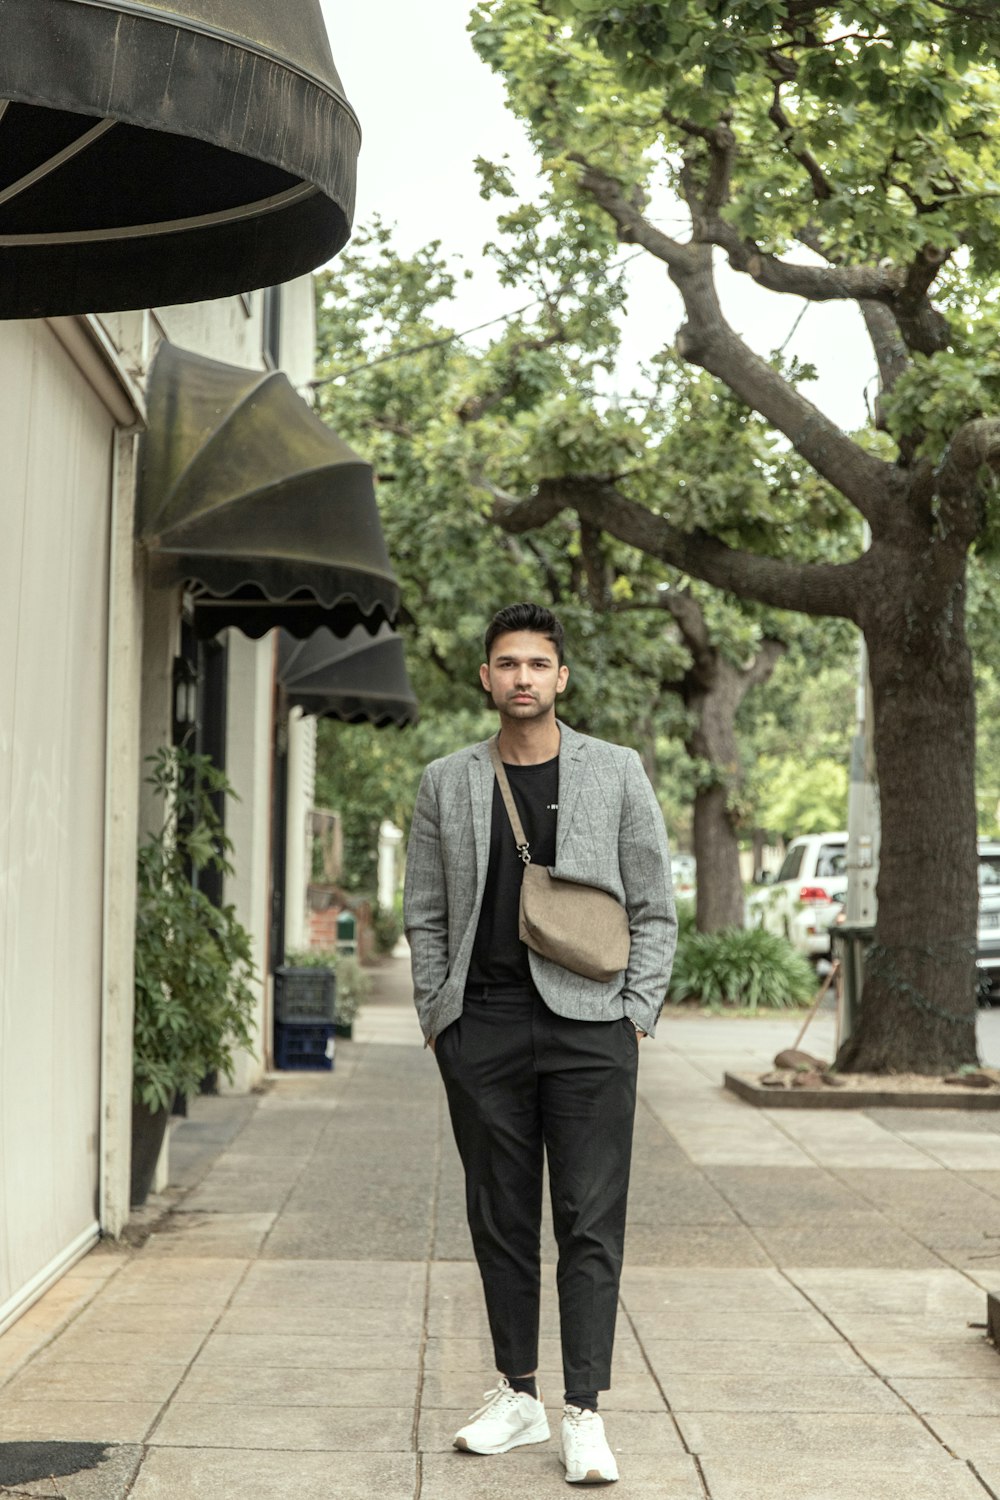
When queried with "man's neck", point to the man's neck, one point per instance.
{"points": [[529, 742]]}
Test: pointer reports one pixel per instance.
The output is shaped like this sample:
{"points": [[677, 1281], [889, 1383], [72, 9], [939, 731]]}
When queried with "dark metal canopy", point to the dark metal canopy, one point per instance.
{"points": [[248, 497], [361, 678], [157, 151]]}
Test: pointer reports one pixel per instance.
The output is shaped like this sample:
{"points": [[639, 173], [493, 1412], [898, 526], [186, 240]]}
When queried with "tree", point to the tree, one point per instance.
{"points": [[847, 153], [437, 416]]}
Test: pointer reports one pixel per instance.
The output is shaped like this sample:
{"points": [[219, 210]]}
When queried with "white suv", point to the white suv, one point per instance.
{"points": [[805, 895], [988, 946]]}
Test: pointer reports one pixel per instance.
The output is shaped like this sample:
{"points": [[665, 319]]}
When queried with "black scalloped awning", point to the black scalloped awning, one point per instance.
{"points": [[360, 678], [158, 151], [245, 495]]}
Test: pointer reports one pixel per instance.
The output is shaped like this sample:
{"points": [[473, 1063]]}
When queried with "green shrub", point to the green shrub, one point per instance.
{"points": [[194, 967], [353, 984], [685, 916], [387, 927], [747, 968]]}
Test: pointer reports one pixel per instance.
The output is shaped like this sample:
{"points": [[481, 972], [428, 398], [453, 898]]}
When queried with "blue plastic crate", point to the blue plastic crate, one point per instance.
{"points": [[301, 1046], [304, 995]]}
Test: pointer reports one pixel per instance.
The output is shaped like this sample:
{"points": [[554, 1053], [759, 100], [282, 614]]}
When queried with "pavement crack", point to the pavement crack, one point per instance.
{"points": [[654, 1377]]}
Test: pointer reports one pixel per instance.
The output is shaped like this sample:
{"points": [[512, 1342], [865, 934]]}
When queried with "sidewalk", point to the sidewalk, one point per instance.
{"points": [[796, 1320]]}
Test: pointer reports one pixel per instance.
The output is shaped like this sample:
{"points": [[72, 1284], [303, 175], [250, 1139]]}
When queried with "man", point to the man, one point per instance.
{"points": [[533, 1056]]}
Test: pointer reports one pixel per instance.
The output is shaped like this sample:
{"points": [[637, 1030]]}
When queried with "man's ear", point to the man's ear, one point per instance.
{"points": [[484, 677], [562, 679]]}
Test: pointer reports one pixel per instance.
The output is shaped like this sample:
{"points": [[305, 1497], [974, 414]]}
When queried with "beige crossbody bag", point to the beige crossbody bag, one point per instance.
{"points": [[579, 927]]}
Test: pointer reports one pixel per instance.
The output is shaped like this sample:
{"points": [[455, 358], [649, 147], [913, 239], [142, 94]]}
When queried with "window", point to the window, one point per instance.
{"points": [[831, 861], [989, 872], [792, 863]]}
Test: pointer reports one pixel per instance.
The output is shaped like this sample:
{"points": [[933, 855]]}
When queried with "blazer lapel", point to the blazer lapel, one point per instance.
{"points": [[571, 767], [481, 780]]}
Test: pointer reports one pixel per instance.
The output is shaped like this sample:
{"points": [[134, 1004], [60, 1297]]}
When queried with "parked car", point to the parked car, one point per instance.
{"points": [[988, 944], [806, 895]]}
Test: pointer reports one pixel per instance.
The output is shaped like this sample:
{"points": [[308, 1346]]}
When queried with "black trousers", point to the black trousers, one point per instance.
{"points": [[521, 1079]]}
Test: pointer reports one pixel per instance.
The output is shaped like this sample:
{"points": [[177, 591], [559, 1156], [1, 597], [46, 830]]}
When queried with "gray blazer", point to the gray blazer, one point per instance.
{"points": [[609, 833]]}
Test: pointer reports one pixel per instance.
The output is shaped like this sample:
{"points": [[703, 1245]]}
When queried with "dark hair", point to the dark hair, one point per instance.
{"points": [[533, 617]]}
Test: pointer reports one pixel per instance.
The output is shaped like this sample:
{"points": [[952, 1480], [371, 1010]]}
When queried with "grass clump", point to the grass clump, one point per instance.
{"points": [[744, 968]]}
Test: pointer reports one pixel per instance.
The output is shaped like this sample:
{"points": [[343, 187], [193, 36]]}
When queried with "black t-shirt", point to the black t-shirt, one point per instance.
{"points": [[498, 955]]}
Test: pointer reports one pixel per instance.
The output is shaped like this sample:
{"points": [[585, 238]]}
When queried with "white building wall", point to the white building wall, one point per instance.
{"points": [[57, 447], [298, 846], [250, 714]]}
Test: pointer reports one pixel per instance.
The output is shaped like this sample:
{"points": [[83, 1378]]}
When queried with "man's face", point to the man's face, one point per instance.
{"points": [[523, 675]]}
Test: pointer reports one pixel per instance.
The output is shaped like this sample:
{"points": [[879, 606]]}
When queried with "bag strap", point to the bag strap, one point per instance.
{"points": [[508, 800]]}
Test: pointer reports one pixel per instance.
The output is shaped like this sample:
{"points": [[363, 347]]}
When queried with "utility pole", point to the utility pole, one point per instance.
{"points": [[863, 836]]}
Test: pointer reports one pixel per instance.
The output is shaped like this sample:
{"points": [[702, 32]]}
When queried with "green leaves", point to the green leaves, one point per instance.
{"points": [[743, 968], [194, 965]]}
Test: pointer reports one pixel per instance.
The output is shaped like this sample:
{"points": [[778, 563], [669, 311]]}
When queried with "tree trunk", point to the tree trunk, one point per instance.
{"points": [[719, 900], [918, 1009]]}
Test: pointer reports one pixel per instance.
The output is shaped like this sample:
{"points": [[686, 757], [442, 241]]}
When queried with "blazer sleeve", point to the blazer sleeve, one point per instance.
{"points": [[644, 863], [425, 900]]}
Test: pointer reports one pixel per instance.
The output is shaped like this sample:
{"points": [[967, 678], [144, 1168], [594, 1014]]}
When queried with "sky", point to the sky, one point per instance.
{"points": [[428, 107]]}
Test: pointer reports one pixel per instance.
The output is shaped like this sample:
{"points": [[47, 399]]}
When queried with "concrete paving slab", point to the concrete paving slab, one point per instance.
{"points": [[397, 1230], [310, 1351], [281, 1385], [861, 1243], [167, 1280], [724, 1392], [357, 1279], [328, 1316], [50, 1378], [247, 1197], [104, 1316], [671, 1357], [972, 1396], [719, 1324], [913, 1293], [477, 1354], [974, 1438], [211, 1474], [538, 1473], [95, 1347], [236, 1236], [961, 1150], [843, 1479], [960, 1358], [356, 1429], [668, 1286], [693, 1245], [77, 1421], [825, 1436], [69, 1471], [772, 1197], [840, 1139], [322, 1293]]}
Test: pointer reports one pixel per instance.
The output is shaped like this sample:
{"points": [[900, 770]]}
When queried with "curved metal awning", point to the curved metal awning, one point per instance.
{"points": [[158, 151], [360, 679], [249, 498]]}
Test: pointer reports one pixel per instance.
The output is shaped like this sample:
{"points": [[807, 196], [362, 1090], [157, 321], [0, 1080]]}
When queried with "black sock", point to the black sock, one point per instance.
{"points": [[526, 1383], [585, 1400]]}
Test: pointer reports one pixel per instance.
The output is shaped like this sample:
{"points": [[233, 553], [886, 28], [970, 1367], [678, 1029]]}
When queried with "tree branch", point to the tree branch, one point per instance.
{"points": [[809, 588], [975, 446], [805, 158], [767, 658]]}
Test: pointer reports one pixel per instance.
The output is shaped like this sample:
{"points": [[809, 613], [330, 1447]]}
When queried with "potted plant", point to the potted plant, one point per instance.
{"points": [[353, 984], [193, 960]]}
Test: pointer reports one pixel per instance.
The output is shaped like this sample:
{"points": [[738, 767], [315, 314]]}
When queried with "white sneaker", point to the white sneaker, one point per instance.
{"points": [[585, 1450], [508, 1419]]}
